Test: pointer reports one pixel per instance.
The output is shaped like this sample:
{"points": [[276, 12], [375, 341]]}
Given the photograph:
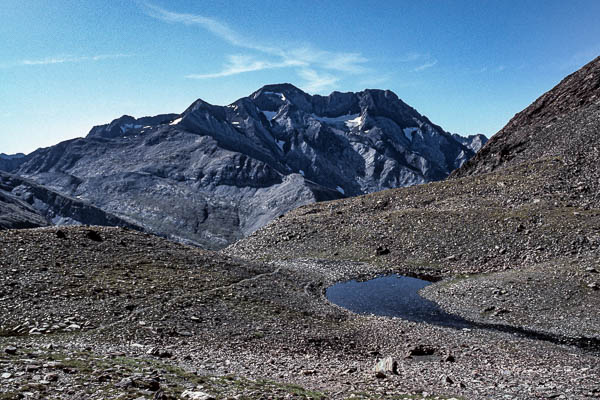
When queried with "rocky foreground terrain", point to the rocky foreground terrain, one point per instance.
{"points": [[513, 235], [100, 313], [512, 241]]}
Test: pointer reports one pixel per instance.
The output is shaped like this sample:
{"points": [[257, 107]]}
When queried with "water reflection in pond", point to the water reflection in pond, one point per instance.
{"points": [[392, 296]]}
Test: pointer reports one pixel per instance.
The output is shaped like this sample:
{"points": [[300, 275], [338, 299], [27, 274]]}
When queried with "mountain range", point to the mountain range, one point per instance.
{"points": [[510, 243], [214, 174]]}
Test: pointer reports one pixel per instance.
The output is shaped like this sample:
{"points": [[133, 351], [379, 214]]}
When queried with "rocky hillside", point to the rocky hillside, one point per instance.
{"points": [[10, 161], [89, 312], [213, 175], [17, 214], [561, 123], [522, 223], [25, 204]]}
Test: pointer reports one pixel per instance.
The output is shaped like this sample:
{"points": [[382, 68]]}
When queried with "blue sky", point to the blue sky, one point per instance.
{"points": [[66, 65]]}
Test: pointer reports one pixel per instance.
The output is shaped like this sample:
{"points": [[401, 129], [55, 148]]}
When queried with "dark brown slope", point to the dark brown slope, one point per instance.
{"points": [[530, 227], [548, 127]]}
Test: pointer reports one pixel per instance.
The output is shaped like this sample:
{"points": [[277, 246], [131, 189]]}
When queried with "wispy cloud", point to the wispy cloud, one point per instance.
{"points": [[374, 81], [317, 67], [69, 59], [494, 69], [243, 63], [335, 61], [417, 61], [317, 82], [412, 57], [425, 66], [212, 25]]}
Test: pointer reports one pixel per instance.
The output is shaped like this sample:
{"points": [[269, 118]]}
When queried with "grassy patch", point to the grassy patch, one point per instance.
{"points": [[368, 396], [9, 333], [10, 396]]}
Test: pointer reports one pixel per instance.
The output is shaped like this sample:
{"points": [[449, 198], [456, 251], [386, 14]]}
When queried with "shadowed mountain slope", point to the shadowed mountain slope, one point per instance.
{"points": [[563, 122], [25, 204], [17, 214]]}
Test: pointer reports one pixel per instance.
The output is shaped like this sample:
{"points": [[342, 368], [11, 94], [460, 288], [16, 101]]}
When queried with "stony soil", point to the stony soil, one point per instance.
{"points": [[111, 313], [523, 222]]}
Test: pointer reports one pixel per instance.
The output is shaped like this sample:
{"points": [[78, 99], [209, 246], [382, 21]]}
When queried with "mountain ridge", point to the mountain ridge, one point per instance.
{"points": [[516, 250], [214, 174], [25, 204]]}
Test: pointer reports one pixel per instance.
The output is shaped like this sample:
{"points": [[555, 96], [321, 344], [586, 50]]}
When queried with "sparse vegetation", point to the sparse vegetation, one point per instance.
{"points": [[515, 239]]}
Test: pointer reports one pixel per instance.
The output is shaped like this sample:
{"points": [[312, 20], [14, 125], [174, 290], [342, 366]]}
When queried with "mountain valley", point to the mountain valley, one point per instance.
{"points": [[511, 240]]}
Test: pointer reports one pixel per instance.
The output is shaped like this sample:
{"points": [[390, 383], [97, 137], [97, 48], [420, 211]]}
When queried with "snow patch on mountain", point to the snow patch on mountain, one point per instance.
{"points": [[354, 122], [408, 132], [280, 95], [225, 171], [346, 119], [269, 114], [127, 127]]}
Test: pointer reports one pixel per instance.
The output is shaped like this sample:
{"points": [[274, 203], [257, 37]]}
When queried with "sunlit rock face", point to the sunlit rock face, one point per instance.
{"points": [[214, 174]]}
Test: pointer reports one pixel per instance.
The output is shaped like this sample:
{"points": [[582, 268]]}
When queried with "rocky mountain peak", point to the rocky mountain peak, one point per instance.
{"points": [[272, 97], [279, 88], [127, 125], [199, 105], [473, 142], [215, 173]]}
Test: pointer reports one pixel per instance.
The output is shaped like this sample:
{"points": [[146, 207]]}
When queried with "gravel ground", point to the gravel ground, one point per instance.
{"points": [[93, 312], [515, 252]]}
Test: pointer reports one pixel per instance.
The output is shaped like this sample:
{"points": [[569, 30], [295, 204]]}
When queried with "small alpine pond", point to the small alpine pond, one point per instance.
{"points": [[392, 296], [398, 296]]}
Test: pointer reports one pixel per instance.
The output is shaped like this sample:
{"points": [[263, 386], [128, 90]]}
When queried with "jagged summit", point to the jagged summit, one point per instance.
{"points": [[377, 101], [272, 97], [214, 174], [278, 88], [126, 123]]}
